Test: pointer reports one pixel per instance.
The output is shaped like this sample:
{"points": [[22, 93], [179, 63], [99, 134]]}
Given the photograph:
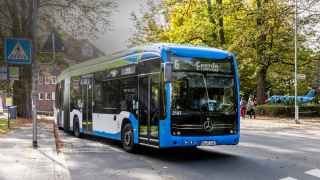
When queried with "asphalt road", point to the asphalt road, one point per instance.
{"points": [[264, 153]]}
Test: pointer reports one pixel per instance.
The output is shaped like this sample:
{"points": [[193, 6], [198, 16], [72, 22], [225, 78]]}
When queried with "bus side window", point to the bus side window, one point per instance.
{"points": [[111, 94], [98, 97], [75, 94], [150, 66], [155, 98], [128, 91]]}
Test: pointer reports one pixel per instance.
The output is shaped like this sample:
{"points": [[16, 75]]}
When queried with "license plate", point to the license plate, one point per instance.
{"points": [[208, 143]]}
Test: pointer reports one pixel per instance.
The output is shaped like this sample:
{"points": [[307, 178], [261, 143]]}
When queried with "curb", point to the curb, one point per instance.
{"points": [[58, 141], [60, 166]]}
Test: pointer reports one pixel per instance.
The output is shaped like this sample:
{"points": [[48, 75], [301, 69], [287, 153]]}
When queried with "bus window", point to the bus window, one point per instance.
{"points": [[75, 95], [112, 96], [150, 66], [128, 89], [99, 95], [154, 105]]}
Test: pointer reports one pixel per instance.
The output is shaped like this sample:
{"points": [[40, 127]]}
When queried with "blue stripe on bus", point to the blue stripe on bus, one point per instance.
{"points": [[200, 52], [164, 54], [238, 94], [185, 141], [115, 136], [135, 126]]}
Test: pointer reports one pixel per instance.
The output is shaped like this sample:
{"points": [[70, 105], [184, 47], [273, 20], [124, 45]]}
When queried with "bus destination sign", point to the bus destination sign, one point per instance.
{"points": [[202, 66]]}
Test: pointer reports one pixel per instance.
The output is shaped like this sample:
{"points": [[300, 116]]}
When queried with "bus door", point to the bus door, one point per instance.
{"points": [[87, 103], [149, 110]]}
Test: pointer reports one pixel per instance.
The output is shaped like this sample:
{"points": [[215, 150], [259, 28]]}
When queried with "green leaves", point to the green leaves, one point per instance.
{"points": [[261, 33]]}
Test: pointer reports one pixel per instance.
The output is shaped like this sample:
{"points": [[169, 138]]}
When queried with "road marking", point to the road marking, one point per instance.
{"points": [[313, 172], [288, 178], [268, 148]]}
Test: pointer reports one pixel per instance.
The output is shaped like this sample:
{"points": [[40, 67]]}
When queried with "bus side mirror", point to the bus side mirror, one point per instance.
{"points": [[167, 71]]}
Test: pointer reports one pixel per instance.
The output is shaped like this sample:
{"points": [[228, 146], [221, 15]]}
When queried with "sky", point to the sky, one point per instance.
{"points": [[122, 27]]}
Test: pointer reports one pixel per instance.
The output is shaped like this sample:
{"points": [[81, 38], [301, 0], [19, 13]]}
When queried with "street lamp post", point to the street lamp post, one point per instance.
{"points": [[296, 108]]}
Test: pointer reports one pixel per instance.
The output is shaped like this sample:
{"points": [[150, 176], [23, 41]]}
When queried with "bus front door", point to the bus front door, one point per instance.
{"points": [[87, 100], [149, 110]]}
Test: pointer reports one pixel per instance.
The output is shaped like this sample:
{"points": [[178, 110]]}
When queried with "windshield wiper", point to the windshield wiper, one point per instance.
{"points": [[206, 87]]}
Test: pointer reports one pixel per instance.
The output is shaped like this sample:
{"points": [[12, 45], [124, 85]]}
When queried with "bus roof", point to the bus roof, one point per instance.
{"points": [[133, 55]]}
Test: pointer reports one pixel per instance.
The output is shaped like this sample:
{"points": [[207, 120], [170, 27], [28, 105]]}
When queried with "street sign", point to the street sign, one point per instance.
{"points": [[17, 50], [3, 73], [13, 73], [301, 76]]}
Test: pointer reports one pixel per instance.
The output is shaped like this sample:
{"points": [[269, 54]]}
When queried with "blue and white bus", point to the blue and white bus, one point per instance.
{"points": [[161, 96]]}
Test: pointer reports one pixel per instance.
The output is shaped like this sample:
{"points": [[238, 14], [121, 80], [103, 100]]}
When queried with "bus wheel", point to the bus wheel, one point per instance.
{"points": [[127, 138], [76, 128]]}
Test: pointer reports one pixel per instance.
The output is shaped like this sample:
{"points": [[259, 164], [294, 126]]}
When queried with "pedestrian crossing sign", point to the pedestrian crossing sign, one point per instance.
{"points": [[17, 51]]}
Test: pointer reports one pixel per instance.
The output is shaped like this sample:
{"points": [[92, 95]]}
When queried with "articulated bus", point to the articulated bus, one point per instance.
{"points": [[162, 96]]}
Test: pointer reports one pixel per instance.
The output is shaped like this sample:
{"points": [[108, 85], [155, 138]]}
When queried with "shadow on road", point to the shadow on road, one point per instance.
{"points": [[185, 154], [170, 154]]}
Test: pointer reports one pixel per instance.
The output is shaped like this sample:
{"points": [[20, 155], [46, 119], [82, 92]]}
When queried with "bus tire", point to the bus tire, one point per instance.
{"points": [[127, 138], [76, 127]]}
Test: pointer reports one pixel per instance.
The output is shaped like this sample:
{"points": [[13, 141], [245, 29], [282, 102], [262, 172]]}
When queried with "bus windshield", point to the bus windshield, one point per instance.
{"points": [[203, 85]]}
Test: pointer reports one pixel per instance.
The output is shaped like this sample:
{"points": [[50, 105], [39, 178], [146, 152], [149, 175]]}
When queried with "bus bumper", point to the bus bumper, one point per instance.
{"points": [[189, 141]]}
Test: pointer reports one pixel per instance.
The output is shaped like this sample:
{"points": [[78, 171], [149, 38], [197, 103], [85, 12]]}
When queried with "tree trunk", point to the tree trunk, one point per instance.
{"points": [[22, 92], [21, 27], [212, 20], [210, 12], [261, 60], [220, 21], [261, 85]]}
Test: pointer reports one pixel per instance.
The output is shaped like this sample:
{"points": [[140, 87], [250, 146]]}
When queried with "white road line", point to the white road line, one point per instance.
{"points": [[313, 172], [288, 178]]}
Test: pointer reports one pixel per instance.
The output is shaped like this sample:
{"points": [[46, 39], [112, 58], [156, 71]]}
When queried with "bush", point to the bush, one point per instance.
{"points": [[281, 110]]}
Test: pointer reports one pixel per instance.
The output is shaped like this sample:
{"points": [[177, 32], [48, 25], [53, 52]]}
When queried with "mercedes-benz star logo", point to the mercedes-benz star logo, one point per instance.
{"points": [[207, 125]]}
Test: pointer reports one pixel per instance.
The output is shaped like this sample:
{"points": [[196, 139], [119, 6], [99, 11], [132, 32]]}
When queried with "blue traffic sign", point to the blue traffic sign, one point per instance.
{"points": [[17, 50]]}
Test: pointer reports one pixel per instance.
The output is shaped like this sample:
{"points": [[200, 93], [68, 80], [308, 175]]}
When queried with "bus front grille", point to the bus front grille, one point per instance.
{"points": [[202, 126]]}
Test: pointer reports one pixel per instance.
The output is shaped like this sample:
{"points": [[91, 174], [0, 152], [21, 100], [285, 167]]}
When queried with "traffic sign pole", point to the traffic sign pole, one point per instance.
{"points": [[34, 74]]}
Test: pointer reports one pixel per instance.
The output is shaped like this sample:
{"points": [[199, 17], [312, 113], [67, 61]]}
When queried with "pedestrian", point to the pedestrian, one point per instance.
{"points": [[243, 108], [251, 108]]}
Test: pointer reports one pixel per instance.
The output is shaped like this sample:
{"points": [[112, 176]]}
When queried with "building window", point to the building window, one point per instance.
{"points": [[40, 79], [53, 96], [48, 96], [54, 80], [47, 80], [50, 80], [41, 96]]}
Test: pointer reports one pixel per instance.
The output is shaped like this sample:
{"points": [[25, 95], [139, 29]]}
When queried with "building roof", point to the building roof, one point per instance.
{"points": [[58, 43]]}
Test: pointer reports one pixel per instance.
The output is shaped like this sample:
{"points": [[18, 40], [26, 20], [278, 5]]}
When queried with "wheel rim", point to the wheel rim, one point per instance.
{"points": [[128, 138]]}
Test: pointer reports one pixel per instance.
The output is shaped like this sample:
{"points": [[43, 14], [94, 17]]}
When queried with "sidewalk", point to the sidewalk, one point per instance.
{"points": [[19, 161], [309, 127], [282, 122]]}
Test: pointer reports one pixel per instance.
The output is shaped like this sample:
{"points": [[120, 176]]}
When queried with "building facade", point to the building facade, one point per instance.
{"points": [[67, 52], [46, 91]]}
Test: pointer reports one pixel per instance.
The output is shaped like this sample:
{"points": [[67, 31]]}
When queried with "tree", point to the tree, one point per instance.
{"points": [[77, 17], [259, 31]]}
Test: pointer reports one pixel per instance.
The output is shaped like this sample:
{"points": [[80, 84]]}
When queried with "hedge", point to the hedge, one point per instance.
{"points": [[288, 110]]}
